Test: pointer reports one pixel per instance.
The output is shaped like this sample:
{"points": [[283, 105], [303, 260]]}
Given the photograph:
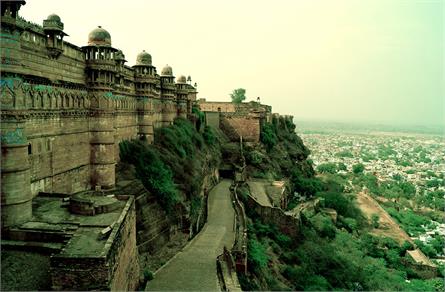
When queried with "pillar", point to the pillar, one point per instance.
{"points": [[102, 149]]}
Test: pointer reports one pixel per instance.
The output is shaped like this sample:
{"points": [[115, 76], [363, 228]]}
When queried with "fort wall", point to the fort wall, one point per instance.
{"points": [[113, 267], [237, 120], [74, 105]]}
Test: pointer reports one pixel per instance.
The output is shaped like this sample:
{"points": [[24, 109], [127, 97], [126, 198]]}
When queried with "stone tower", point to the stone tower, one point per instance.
{"points": [[182, 96], [168, 96], [100, 73], [53, 28], [16, 197], [145, 86]]}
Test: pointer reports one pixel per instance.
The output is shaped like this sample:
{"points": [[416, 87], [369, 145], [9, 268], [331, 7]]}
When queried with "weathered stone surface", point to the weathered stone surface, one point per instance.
{"points": [[65, 109]]}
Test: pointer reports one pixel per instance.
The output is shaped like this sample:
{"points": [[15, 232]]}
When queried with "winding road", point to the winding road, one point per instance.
{"points": [[194, 268]]}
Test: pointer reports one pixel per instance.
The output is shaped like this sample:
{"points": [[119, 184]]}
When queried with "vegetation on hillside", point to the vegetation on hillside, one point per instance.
{"points": [[173, 168], [331, 253], [282, 155]]}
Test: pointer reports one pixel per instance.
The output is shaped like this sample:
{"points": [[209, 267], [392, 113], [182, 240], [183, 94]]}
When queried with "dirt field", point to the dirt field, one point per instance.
{"points": [[387, 226]]}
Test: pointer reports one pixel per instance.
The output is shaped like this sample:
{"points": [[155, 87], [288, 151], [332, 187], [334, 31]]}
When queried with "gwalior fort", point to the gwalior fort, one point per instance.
{"points": [[118, 177], [64, 111]]}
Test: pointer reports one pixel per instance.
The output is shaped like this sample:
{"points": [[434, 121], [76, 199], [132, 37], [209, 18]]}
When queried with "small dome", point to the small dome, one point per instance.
{"points": [[167, 71], [99, 37], [53, 23], [53, 17], [143, 58], [181, 79]]}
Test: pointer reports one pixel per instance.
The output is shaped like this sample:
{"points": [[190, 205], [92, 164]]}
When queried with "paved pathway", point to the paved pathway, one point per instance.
{"points": [[195, 267]]}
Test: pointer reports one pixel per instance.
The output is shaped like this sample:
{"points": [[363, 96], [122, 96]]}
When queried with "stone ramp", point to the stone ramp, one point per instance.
{"points": [[258, 192], [194, 268]]}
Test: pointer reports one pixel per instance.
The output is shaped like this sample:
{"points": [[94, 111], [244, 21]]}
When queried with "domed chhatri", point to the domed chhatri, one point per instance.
{"points": [[167, 71], [99, 37], [53, 23], [143, 58], [53, 17], [181, 79]]}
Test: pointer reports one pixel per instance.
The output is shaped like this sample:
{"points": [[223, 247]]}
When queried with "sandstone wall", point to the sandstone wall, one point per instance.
{"points": [[212, 119], [287, 224], [122, 257], [210, 106], [59, 153], [245, 126], [115, 268]]}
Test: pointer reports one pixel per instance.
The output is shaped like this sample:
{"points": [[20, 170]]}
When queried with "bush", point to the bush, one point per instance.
{"points": [[256, 255], [268, 136], [375, 220], [342, 204], [254, 157], [358, 168], [209, 136], [148, 275], [327, 168]]}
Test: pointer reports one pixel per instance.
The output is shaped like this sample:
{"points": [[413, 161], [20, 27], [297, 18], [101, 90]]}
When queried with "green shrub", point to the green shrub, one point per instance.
{"points": [[268, 136], [209, 135], [375, 220], [148, 275], [342, 204], [358, 168], [254, 157], [256, 255], [329, 167]]}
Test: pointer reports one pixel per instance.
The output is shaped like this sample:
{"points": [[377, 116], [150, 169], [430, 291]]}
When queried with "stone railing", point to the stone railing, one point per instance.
{"points": [[226, 269], [239, 249]]}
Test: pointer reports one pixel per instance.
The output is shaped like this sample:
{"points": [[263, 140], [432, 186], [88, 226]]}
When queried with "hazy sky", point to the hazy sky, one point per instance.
{"points": [[358, 60]]}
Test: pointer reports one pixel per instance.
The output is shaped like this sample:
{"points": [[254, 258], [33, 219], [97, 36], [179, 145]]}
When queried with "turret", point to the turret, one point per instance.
{"points": [[191, 95], [181, 96], [16, 197], [101, 74], [145, 82], [168, 96], [100, 60], [53, 28]]}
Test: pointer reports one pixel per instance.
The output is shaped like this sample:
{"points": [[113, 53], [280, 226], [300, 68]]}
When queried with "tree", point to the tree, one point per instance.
{"points": [[329, 167], [342, 166], [358, 168], [238, 95]]}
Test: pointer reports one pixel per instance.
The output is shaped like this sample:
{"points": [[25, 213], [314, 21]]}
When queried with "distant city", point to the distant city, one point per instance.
{"points": [[403, 168]]}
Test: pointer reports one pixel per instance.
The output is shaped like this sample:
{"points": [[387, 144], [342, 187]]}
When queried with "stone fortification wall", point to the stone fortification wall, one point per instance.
{"points": [[289, 225], [236, 120], [211, 106], [66, 108], [237, 126], [115, 268], [122, 256]]}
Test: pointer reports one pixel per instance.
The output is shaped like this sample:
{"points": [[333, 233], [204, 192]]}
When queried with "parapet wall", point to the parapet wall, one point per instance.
{"points": [[289, 225], [115, 267]]}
